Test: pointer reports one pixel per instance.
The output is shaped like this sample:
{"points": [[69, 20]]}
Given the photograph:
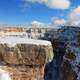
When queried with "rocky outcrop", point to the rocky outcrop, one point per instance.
{"points": [[71, 59], [25, 60], [26, 54], [66, 62]]}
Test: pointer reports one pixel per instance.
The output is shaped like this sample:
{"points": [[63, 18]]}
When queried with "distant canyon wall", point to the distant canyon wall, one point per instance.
{"points": [[30, 32]]}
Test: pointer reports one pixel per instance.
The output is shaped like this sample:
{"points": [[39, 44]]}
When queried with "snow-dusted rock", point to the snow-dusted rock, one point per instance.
{"points": [[16, 50], [12, 41], [66, 62], [24, 58]]}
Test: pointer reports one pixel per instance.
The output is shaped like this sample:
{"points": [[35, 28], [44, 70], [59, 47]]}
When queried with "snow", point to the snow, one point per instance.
{"points": [[4, 75], [12, 41]]}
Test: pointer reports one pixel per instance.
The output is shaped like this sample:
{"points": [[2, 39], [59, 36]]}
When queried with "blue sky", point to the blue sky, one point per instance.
{"points": [[26, 11]]}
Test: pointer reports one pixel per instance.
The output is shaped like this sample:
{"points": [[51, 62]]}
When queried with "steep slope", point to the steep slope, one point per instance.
{"points": [[66, 62], [24, 59]]}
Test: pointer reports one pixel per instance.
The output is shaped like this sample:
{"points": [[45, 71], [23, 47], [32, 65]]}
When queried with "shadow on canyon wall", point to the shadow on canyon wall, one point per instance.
{"points": [[61, 67], [54, 70]]}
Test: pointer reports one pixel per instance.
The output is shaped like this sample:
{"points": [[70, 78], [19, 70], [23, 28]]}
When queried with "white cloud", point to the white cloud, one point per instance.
{"points": [[57, 4], [37, 23], [74, 16], [59, 21]]}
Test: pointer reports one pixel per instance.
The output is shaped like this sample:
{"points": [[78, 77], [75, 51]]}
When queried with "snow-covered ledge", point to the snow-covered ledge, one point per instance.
{"points": [[12, 41], [16, 50]]}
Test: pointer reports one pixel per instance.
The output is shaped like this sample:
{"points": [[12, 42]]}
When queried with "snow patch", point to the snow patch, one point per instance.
{"points": [[12, 41], [4, 75]]}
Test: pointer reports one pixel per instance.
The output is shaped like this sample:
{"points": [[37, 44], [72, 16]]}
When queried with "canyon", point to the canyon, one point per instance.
{"points": [[53, 56]]}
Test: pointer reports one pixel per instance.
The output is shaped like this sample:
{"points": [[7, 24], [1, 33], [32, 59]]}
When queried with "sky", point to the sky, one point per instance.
{"points": [[39, 11]]}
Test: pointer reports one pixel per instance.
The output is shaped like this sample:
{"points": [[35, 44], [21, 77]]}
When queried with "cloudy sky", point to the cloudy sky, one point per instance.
{"points": [[45, 11]]}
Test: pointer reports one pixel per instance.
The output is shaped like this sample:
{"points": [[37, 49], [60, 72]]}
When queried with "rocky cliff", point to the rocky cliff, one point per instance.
{"points": [[24, 59], [66, 62]]}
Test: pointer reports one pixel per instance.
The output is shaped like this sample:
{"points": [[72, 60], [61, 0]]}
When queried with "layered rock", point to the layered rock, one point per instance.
{"points": [[21, 72], [25, 59], [71, 58], [26, 54], [66, 62]]}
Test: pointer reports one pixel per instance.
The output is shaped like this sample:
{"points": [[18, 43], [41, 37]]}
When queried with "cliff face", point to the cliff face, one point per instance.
{"points": [[25, 60], [23, 54], [66, 62], [72, 54]]}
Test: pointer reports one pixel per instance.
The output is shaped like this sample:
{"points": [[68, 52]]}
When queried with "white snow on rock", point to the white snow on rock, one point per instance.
{"points": [[4, 75], [12, 41]]}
